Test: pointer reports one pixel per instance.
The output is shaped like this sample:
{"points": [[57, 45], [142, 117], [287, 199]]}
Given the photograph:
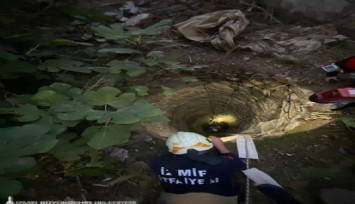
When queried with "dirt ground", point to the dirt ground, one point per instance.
{"points": [[306, 160]]}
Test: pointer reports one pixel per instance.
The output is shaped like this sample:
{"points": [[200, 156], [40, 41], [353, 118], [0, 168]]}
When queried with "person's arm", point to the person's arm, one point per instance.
{"points": [[332, 76], [219, 145], [232, 159]]}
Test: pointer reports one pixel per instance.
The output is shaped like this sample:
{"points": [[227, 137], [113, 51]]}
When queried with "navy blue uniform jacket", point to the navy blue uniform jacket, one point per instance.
{"points": [[180, 175]]}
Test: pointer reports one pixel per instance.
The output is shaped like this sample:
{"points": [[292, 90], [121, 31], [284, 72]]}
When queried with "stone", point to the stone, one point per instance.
{"points": [[137, 19], [118, 153]]}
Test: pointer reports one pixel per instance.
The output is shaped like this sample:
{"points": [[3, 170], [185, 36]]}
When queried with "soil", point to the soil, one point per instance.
{"points": [[318, 155]]}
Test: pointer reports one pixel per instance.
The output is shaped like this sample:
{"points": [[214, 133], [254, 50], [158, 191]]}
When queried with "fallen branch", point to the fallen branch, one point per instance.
{"points": [[264, 10]]}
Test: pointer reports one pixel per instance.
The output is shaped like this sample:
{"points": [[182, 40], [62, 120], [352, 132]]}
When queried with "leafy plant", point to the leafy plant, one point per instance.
{"points": [[107, 105], [58, 106], [154, 29], [116, 33], [349, 121], [56, 65], [113, 32], [62, 119], [167, 91], [120, 50], [18, 143]]}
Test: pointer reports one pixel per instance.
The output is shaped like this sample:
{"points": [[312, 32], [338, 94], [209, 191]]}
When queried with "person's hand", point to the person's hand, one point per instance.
{"points": [[216, 141], [219, 145], [331, 79]]}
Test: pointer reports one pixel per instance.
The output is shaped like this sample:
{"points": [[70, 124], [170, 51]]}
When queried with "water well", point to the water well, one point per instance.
{"points": [[224, 108]]}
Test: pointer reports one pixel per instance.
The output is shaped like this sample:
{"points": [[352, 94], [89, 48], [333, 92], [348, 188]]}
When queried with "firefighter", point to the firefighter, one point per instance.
{"points": [[343, 66], [189, 175]]}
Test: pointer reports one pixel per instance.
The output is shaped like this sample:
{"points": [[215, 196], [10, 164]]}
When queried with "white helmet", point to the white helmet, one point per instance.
{"points": [[180, 142]]}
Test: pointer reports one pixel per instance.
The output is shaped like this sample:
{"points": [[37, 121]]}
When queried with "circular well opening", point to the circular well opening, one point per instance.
{"points": [[228, 108]]}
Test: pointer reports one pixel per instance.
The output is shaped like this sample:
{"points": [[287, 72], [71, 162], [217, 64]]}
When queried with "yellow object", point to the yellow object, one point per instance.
{"points": [[180, 142]]}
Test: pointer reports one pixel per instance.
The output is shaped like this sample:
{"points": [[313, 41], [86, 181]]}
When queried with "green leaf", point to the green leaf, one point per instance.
{"points": [[168, 91], [56, 65], [69, 148], [74, 115], [65, 89], [114, 32], [150, 62], [189, 79], [132, 68], [71, 111], [140, 110], [141, 90], [157, 54], [24, 98], [146, 110], [19, 141], [16, 165], [100, 116], [136, 71], [9, 187], [69, 78], [55, 125], [349, 121], [125, 118], [123, 100], [29, 113], [48, 98], [105, 136], [103, 96], [155, 29], [100, 69], [9, 56], [118, 50]]}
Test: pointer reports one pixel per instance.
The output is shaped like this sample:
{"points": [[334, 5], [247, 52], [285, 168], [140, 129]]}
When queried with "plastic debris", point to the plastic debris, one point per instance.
{"points": [[227, 25]]}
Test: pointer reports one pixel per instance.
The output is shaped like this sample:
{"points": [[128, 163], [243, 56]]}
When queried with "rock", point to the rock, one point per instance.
{"points": [[137, 19], [130, 7], [337, 196], [118, 153]]}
